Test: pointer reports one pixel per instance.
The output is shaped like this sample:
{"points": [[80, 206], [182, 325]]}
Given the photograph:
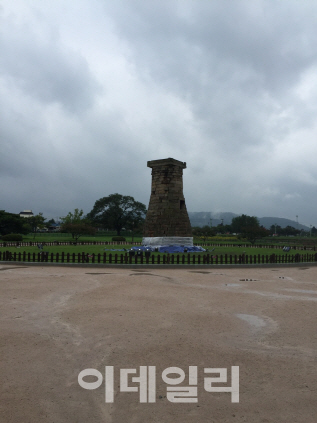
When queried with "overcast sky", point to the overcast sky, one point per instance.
{"points": [[90, 90]]}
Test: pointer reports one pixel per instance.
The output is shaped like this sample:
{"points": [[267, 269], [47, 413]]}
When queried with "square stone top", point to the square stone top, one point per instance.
{"points": [[164, 162]]}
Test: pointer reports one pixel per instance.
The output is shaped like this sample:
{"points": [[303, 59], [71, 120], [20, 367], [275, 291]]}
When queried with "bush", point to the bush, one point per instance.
{"points": [[12, 237], [118, 238]]}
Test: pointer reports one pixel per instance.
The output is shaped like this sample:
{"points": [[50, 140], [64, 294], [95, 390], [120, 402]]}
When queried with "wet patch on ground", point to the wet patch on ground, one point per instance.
{"points": [[12, 268]]}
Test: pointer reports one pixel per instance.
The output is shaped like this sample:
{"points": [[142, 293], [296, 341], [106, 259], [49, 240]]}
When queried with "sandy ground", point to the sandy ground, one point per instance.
{"points": [[56, 322]]}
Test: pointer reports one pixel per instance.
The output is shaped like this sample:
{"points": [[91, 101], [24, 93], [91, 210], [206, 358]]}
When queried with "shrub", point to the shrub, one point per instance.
{"points": [[12, 237], [118, 238]]}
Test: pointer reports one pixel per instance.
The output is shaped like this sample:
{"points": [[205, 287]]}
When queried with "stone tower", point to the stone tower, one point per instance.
{"points": [[167, 220]]}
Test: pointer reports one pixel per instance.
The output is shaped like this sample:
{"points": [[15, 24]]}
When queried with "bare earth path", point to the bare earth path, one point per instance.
{"points": [[56, 322]]}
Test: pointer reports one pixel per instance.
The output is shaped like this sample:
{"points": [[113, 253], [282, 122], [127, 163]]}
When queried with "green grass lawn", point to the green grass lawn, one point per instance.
{"points": [[61, 237]]}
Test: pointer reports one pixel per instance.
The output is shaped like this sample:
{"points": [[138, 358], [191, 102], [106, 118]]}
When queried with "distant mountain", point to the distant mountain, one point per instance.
{"points": [[209, 218], [267, 222]]}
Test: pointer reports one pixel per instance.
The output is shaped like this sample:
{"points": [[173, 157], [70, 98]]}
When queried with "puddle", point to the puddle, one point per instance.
{"points": [[11, 268], [255, 321]]}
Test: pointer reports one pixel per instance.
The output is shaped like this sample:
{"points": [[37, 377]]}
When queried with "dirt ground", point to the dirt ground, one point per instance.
{"points": [[57, 321]]}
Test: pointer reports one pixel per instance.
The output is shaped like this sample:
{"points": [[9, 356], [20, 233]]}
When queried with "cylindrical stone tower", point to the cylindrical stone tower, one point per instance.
{"points": [[167, 221]]}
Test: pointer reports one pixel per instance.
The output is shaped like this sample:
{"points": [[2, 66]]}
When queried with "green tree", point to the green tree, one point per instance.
{"points": [[77, 224], [239, 223], [290, 230], [248, 227], [253, 233], [36, 223], [11, 223], [118, 211]]}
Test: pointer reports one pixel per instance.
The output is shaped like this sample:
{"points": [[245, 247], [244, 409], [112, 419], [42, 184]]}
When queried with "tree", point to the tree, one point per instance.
{"points": [[117, 211], [248, 227], [36, 222], [77, 225], [11, 223], [252, 233], [241, 222]]}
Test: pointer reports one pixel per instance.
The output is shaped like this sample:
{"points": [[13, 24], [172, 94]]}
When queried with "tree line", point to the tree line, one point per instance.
{"points": [[248, 227], [118, 212], [113, 212]]}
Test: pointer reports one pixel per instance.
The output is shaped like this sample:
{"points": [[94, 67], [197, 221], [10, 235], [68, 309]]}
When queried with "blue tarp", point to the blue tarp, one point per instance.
{"points": [[170, 249]]}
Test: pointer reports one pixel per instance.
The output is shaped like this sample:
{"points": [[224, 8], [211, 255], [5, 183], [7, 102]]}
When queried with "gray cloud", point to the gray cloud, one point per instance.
{"points": [[92, 90]]}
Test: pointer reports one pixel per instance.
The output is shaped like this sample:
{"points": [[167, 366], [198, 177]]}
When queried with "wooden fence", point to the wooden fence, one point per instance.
{"points": [[123, 243], [146, 258]]}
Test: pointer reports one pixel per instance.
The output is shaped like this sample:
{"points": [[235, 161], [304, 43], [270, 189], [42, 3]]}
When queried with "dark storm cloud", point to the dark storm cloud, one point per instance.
{"points": [[92, 90], [45, 69]]}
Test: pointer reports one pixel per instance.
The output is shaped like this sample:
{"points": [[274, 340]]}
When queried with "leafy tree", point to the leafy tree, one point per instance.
{"points": [[223, 229], [241, 222], [248, 227], [276, 229], [76, 217], [11, 223], [290, 230], [78, 229], [117, 211], [252, 233], [77, 224], [36, 222]]}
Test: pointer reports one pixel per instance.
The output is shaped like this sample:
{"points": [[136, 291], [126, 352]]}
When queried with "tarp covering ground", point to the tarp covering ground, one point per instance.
{"points": [[170, 249]]}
